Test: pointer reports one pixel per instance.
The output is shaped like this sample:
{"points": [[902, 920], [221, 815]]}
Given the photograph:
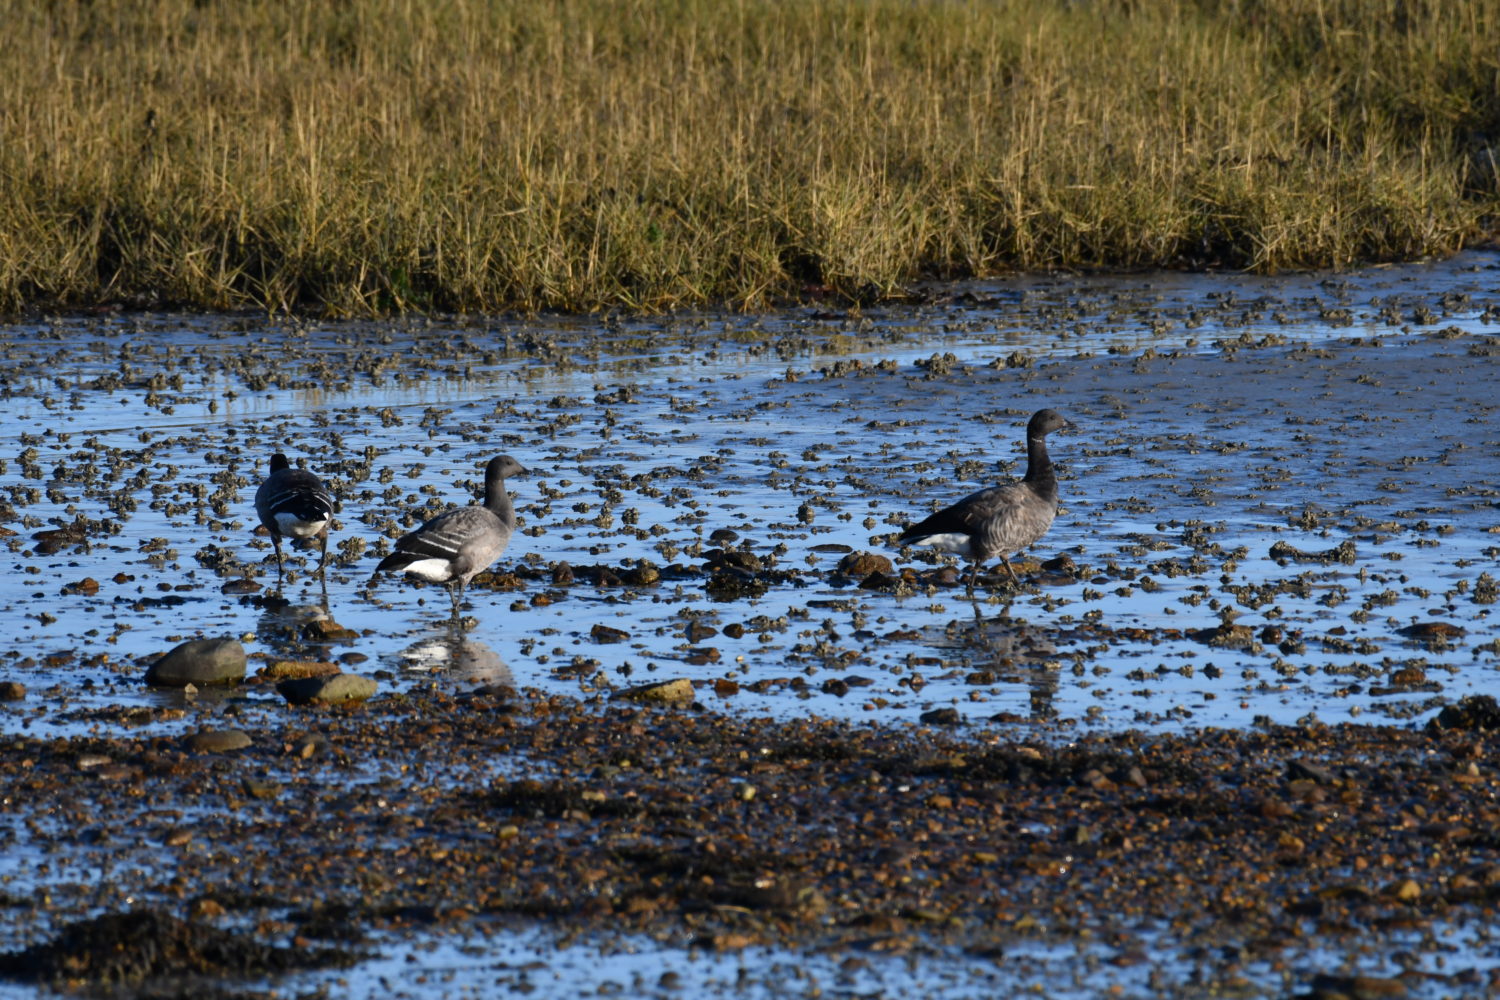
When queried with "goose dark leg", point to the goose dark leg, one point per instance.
{"points": [[323, 551], [973, 578], [458, 599], [1013, 578], [276, 544]]}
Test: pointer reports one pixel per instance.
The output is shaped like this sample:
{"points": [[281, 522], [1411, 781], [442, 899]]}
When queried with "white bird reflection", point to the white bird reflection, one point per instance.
{"points": [[458, 658]]}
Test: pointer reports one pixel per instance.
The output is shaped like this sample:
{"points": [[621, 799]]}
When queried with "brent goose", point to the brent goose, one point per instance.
{"points": [[294, 503], [454, 546], [1001, 519]]}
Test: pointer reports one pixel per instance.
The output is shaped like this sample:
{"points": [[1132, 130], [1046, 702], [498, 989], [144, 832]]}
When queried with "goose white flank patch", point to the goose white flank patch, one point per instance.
{"points": [[1001, 519], [457, 544], [294, 503]]}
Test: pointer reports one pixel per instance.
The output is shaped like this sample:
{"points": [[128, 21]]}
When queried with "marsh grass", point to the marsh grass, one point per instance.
{"points": [[382, 155]]}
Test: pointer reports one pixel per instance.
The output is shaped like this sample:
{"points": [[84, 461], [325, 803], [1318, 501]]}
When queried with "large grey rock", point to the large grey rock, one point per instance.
{"points": [[335, 689], [200, 662]]}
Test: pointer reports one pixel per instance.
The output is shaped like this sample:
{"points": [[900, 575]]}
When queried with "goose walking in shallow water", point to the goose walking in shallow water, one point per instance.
{"points": [[454, 546], [1001, 519], [294, 503]]}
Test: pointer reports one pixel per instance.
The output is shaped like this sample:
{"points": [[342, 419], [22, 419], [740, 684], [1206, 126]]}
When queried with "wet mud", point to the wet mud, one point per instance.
{"points": [[1206, 855], [702, 699]]}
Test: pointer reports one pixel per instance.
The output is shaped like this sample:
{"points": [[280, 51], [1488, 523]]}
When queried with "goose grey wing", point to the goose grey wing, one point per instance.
{"points": [[450, 534], [965, 517]]}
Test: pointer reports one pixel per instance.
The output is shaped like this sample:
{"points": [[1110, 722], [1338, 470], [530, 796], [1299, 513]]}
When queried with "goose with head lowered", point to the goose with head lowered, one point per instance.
{"points": [[296, 504], [457, 544], [1001, 519]]}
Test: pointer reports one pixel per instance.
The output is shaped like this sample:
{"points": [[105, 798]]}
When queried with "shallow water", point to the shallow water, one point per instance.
{"points": [[1217, 416], [1350, 417]]}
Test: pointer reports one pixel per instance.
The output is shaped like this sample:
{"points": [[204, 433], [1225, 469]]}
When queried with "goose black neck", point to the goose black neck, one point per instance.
{"points": [[497, 499], [1039, 467]]}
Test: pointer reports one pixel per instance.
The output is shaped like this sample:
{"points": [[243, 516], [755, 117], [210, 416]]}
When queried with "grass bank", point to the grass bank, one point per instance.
{"points": [[380, 155]]}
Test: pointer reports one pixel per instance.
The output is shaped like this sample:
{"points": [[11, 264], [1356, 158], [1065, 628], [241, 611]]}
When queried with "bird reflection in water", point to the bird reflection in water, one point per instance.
{"points": [[283, 626], [1003, 650], [459, 658]]}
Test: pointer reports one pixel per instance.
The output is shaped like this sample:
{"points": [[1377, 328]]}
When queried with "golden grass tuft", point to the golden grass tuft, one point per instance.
{"points": [[373, 156]]}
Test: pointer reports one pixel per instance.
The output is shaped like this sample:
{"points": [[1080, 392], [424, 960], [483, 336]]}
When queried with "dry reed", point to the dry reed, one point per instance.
{"points": [[370, 156]]}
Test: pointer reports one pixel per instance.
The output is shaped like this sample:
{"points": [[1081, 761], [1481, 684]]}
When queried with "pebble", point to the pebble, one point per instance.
{"points": [[12, 691], [307, 745], [673, 692], [697, 631], [201, 662], [279, 670], [261, 788], [607, 633], [218, 741], [330, 690], [860, 565], [328, 630]]}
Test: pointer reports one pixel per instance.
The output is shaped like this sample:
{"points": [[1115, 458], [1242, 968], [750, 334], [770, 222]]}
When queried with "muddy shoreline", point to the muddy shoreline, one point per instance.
{"points": [[681, 824]]}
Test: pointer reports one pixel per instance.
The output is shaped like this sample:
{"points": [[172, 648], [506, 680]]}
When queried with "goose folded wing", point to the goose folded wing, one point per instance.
{"points": [[448, 535], [1012, 519]]}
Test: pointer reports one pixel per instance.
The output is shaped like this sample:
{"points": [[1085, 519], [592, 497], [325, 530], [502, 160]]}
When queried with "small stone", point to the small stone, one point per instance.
{"points": [[941, 717], [641, 576], [674, 692], [241, 586], [218, 741], [328, 630], [261, 788], [12, 691], [1406, 890], [201, 662], [334, 689], [307, 745], [607, 633], [860, 565]]}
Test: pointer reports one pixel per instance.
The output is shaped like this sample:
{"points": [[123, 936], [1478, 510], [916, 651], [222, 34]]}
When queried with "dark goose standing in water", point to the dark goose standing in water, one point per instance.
{"points": [[454, 546], [1001, 519], [294, 503]]}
